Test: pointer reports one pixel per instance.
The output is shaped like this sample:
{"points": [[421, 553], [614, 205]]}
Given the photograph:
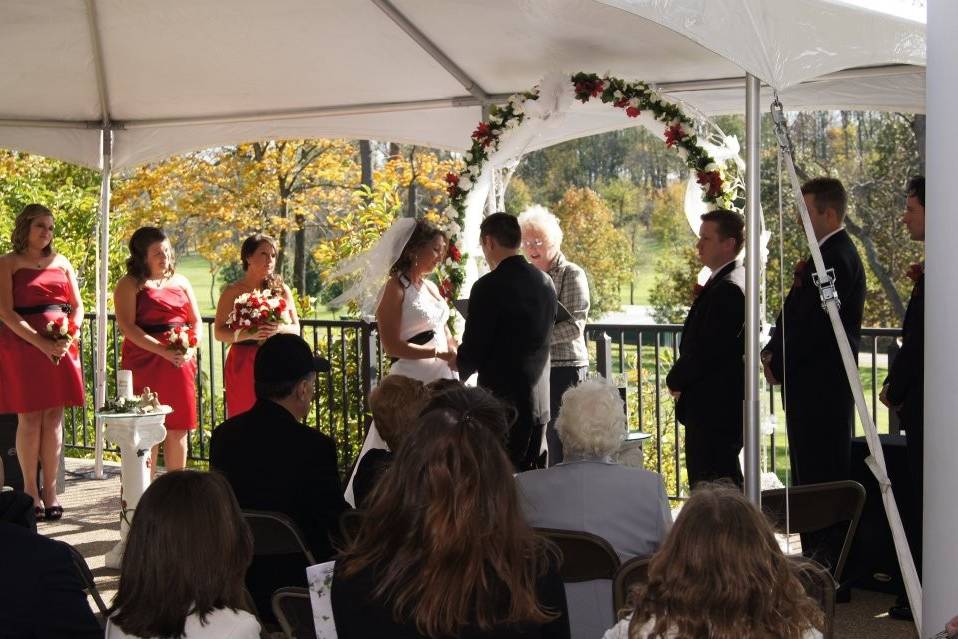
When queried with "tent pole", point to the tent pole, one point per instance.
{"points": [[102, 283], [753, 230], [939, 577]]}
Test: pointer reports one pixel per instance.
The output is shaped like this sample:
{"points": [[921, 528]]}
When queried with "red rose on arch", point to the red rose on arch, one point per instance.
{"points": [[711, 181], [454, 252], [632, 112], [445, 289], [674, 134], [483, 134]]}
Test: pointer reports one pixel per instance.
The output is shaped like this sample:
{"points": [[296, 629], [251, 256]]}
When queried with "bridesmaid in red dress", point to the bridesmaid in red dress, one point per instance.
{"points": [[38, 375], [150, 300], [258, 255]]}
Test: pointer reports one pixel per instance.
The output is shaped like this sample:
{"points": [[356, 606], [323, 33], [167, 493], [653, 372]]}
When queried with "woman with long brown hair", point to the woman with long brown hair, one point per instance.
{"points": [[39, 374], [258, 256], [152, 302], [442, 549], [720, 575], [185, 560]]}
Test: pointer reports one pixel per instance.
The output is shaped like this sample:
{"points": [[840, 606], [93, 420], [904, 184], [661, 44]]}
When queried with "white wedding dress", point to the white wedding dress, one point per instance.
{"points": [[422, 310]]}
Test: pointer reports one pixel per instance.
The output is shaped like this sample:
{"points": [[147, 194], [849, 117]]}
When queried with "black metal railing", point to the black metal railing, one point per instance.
{"points": [[635, 357]]}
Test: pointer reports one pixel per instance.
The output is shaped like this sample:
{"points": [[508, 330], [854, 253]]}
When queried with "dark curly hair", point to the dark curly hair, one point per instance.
{"points": [[21, 228], [424, 233], [250, 245], [140, 242]]}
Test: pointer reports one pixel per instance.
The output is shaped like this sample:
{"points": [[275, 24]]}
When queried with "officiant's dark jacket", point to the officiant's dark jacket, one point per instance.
{"points": [[710, 374], [820, 407], [508, 331]]}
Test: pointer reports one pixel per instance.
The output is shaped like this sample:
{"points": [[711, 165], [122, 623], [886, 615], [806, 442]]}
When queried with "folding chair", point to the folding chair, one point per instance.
{"points": [[585, 557], [632, 572], [280, 558], [820, 586], [815, 507], [294, 613], [86, 576]]}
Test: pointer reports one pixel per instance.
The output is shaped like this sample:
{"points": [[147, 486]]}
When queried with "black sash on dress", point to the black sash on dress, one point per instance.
{"points": [[419, 339], [42, 308], [161, 328]]}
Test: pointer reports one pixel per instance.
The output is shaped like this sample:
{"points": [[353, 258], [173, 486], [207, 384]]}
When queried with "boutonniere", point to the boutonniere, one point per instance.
{"points": [[915, 271], [697, 289], [799, 273]]}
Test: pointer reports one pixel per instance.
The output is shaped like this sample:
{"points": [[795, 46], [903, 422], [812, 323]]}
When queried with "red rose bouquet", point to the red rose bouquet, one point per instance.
{"points": [[62, 329], [180, 338], [256, 308]]}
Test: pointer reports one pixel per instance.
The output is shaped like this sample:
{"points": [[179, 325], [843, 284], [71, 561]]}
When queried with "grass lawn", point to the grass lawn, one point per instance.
{"points": [[647, 252]]}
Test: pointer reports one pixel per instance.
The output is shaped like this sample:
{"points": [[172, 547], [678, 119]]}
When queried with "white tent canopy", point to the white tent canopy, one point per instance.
{"points": [[176, 76]]}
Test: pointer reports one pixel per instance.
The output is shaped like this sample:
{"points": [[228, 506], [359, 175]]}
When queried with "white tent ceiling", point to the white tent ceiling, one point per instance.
{"points": [[180, 75]]}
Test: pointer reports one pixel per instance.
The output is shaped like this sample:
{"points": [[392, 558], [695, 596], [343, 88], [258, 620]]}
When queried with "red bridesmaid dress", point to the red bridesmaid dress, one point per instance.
{"points": [[157, 311], [29, 381], [238, 377]]}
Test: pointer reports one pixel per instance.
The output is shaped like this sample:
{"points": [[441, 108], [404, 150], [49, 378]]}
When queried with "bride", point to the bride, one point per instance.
{"points": [[410, 312]]}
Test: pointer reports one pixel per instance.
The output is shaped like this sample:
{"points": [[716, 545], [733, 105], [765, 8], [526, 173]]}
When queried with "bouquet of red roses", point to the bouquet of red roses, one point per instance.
{"points": [[180, 338], [62, 329], [256, 308]]}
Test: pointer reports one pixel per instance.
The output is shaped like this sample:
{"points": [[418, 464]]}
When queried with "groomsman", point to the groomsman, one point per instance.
{"points": [[904, 387], [707, 379], [803, 351]]}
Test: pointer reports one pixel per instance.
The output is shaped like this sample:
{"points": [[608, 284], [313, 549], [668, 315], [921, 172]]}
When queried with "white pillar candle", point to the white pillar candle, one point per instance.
{"points": [[124, 384]]}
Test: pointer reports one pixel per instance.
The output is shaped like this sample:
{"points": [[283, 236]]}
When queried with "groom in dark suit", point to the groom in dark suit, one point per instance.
{"points": [[708, 378], [512, 310]]}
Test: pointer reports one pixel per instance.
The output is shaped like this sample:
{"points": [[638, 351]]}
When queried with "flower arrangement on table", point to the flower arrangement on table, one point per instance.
{"points": [[145, 403], [258, 308], [632, 97], [62, 329]]}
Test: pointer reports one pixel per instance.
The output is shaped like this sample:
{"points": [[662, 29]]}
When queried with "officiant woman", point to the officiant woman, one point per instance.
{"points": [[541, 242], [38, 375], [152, 301], [258, 256]]}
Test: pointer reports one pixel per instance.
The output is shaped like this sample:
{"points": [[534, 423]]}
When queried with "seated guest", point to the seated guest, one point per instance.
{"points": [[183, 567], [720, 573], [441, 385], [442, 550], [41, 594], [589, 492], [395, 404], [275, 462]]}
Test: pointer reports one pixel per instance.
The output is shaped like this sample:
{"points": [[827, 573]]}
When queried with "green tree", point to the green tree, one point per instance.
{"points": [[592, 241]]}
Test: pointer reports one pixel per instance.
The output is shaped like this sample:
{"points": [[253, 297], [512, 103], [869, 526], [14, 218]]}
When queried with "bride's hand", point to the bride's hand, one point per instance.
{"points": [[449, 357]]}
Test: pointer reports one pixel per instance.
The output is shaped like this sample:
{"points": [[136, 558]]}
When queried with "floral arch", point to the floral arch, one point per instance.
{"points": [[711, 161]]}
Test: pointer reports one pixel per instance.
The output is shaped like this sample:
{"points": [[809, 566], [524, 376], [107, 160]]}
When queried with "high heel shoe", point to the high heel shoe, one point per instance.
{"points": [[38, 513], [53, 513]]}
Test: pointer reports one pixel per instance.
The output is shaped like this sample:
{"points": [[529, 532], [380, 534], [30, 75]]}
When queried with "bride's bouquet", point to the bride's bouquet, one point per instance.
{"points": [[256, 308], [180, 338], [62, 329]]}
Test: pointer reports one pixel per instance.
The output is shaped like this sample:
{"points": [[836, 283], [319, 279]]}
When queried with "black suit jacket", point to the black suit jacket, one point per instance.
{"points": [[811, 362], [273, 462], [508, 332], [41, 595], [710, 372], [906, 379]]}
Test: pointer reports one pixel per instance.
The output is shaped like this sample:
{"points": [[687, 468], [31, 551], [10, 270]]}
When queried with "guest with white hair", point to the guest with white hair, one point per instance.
{"points": [[541, 242], [590, 492]]}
